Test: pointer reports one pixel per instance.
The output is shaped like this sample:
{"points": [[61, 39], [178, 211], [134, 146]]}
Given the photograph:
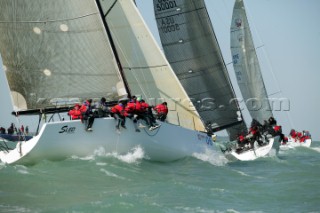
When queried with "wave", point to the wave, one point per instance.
{"points": [[22, 169], [316, 149], [133, 156], [213, 157], [111, 174]]}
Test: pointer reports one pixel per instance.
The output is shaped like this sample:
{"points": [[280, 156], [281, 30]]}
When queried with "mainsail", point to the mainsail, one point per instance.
{"points": [[191, 47], [246, 65], [58, 51]]}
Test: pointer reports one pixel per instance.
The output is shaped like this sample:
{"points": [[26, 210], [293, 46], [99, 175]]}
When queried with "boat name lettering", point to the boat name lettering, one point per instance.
{"points": [[166, 4], [68, 130]]}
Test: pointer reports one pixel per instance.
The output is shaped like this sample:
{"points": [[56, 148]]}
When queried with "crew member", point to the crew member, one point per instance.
{"points": [[120, 114], [88, 117], [75, 113], [162, 111]]}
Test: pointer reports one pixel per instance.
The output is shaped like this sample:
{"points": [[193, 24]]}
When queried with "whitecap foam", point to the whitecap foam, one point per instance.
{"points": [[212, 156], [22, 169], [101, 164], [242, 173], [98, 152], [316, 149], [132, 156], [111, 174]]}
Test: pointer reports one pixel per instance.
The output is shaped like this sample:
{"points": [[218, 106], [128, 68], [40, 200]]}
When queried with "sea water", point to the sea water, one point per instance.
{"points": [[207, 183]]}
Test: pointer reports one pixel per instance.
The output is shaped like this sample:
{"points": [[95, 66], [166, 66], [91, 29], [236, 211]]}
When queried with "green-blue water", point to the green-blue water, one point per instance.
{"points": [[103, 182]]}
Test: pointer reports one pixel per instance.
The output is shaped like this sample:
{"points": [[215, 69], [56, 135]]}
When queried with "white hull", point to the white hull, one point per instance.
{"points": [[292, 143], [59, 140], [250, 154]]}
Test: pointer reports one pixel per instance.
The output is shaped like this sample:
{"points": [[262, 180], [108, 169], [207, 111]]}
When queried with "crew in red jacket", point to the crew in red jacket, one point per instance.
{"points": [[120, 114], [145, 113], [162, 111], [293, 133], [75, 113]]}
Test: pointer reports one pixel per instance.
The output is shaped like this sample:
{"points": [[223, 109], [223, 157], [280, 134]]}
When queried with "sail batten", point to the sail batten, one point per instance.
{"points": [[246, 65], [191, 47]]}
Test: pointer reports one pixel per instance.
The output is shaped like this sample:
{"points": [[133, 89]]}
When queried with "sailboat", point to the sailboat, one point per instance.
{"points": [[58, 53], [297, 139], [247, 69], [192, 49]]}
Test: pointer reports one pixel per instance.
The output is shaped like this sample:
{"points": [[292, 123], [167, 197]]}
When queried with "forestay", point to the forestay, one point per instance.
{"points": [[146, 70], [246, 65], [191, 47]]}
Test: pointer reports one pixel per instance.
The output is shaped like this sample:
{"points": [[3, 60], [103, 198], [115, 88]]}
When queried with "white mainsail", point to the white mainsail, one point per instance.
{"points": [[246, 65], [56, 50]]}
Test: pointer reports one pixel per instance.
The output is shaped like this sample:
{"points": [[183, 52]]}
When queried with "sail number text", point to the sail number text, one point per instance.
{"points": [[168, 25], [166, 4]]}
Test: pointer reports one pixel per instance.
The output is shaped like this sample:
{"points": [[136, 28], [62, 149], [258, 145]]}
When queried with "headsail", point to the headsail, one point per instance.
{"points": [[56, 52], [145, 67], [192, 49], [246, 65]]}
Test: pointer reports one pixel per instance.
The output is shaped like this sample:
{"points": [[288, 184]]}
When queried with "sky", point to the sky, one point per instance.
{"points": [[288, 37]]}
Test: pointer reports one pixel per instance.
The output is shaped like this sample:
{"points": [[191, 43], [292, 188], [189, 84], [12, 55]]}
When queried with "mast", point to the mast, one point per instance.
{"points": [[106, 27]]}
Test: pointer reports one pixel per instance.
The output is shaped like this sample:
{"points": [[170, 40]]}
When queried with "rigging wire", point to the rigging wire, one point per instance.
{"points": [[270, 67]]}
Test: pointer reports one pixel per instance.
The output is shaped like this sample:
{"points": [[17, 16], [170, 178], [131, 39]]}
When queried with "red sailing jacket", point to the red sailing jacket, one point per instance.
{"points": [[75, 113], [277, 128], [143, 107], [241, 138], [119, 109], [131, 107], [253, 131], [161, 109]]}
